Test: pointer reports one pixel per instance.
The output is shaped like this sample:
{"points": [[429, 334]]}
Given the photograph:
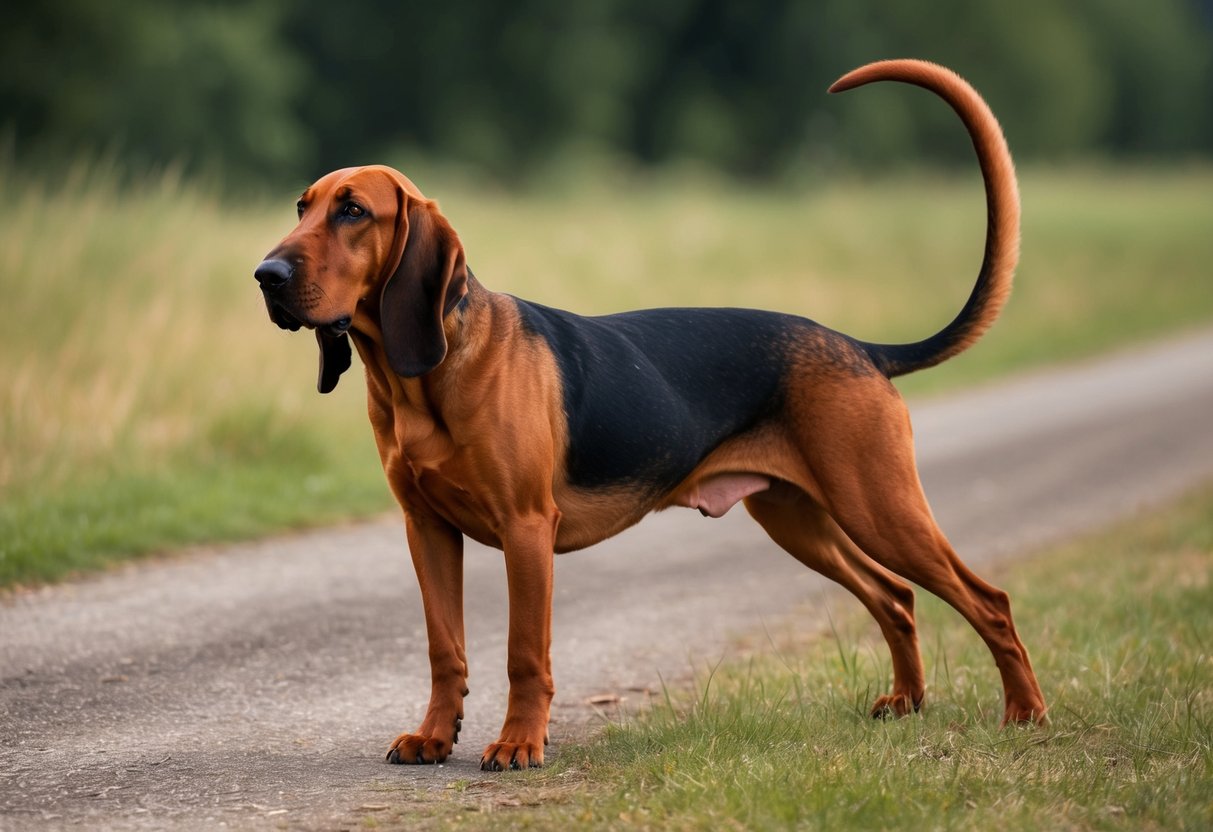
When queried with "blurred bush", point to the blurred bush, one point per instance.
{"points": [[272, 90]]}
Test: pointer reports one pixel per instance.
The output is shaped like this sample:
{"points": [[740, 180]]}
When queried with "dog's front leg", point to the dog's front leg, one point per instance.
{"points": [[528, 565], [437, 550]]}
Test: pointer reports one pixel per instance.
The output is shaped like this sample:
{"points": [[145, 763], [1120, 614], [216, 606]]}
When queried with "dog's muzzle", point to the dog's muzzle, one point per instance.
{"points": [[273, 275]]}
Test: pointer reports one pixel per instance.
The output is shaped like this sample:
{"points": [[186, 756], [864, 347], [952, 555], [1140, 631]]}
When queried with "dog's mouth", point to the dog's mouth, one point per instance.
{"points": [[285, 319], [280, 316]]}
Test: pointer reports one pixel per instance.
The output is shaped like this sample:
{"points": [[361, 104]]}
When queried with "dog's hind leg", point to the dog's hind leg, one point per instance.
{"points": [[803, 528], [864, 469]]}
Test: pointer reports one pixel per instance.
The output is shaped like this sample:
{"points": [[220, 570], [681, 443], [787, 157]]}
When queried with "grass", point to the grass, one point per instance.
{"points": [[1121, 634], [146, 402]]}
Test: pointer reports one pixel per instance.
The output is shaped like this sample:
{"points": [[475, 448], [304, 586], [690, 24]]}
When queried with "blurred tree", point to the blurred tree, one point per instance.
{"points": [[270, 88], [498, 85], [1160, 64], [1031, 60], [203, 84]]}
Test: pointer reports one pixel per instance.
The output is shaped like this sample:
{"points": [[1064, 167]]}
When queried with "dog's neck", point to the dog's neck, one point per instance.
{"points": [[468, 328]]}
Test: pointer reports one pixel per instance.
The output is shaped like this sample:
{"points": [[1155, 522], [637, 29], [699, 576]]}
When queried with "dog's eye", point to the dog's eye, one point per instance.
{"points": [[353, 210], [300, 207]]}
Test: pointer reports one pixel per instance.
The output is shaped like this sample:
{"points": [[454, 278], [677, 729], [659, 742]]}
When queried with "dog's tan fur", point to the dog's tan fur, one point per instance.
{"points": [[469, 411]]}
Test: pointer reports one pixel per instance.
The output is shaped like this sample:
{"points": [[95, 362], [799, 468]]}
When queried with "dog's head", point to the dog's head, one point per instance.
{"points": [[368, 248]]}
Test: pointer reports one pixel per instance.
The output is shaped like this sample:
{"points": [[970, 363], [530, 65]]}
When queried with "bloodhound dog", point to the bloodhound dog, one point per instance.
{"points": [[538, 431]]}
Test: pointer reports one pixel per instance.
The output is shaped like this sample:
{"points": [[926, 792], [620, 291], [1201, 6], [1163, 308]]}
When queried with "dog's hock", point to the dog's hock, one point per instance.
{"points": [[717, 494]]}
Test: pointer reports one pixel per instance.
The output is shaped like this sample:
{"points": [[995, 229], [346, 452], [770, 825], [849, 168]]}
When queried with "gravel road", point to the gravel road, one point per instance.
{"points": [[258, 685]]}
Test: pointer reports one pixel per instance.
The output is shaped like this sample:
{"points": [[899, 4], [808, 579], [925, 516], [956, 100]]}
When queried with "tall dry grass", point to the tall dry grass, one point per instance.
{"points": [[133, 326], [145, 399]]}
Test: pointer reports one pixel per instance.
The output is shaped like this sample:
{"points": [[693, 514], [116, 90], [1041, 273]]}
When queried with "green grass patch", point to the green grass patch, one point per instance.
{"points": [[107, 520], [1120, 632], [144, 392]]}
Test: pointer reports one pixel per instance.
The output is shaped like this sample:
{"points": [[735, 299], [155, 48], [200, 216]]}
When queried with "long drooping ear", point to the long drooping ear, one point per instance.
{"points": [[431, 279], [334, 359]]}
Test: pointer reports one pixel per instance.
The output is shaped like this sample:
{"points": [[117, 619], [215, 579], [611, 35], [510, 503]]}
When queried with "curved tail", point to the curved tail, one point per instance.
{"points": [[993, 285]]}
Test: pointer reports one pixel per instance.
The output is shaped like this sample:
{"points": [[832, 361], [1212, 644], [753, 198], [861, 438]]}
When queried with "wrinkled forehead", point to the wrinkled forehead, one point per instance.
{"points": [[371, 180]]}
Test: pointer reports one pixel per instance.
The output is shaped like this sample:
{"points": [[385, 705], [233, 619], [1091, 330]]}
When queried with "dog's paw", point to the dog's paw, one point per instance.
{"points": [[1025, 715], [423, 749], [416, 749], [895, 705], [502, 756]]}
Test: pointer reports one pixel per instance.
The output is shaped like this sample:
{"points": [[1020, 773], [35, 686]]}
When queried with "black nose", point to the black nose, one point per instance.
{"points": [[273, 273]]}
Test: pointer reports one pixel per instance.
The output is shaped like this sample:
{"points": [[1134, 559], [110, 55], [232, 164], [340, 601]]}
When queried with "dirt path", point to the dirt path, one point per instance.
{"points": [[257, 686]]}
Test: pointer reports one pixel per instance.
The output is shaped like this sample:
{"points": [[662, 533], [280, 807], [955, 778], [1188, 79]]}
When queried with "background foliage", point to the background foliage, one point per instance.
{"points": [[271, 90]]}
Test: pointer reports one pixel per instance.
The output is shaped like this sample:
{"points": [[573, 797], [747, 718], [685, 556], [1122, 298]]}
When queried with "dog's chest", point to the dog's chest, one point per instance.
{"points": [[449, 490]]}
